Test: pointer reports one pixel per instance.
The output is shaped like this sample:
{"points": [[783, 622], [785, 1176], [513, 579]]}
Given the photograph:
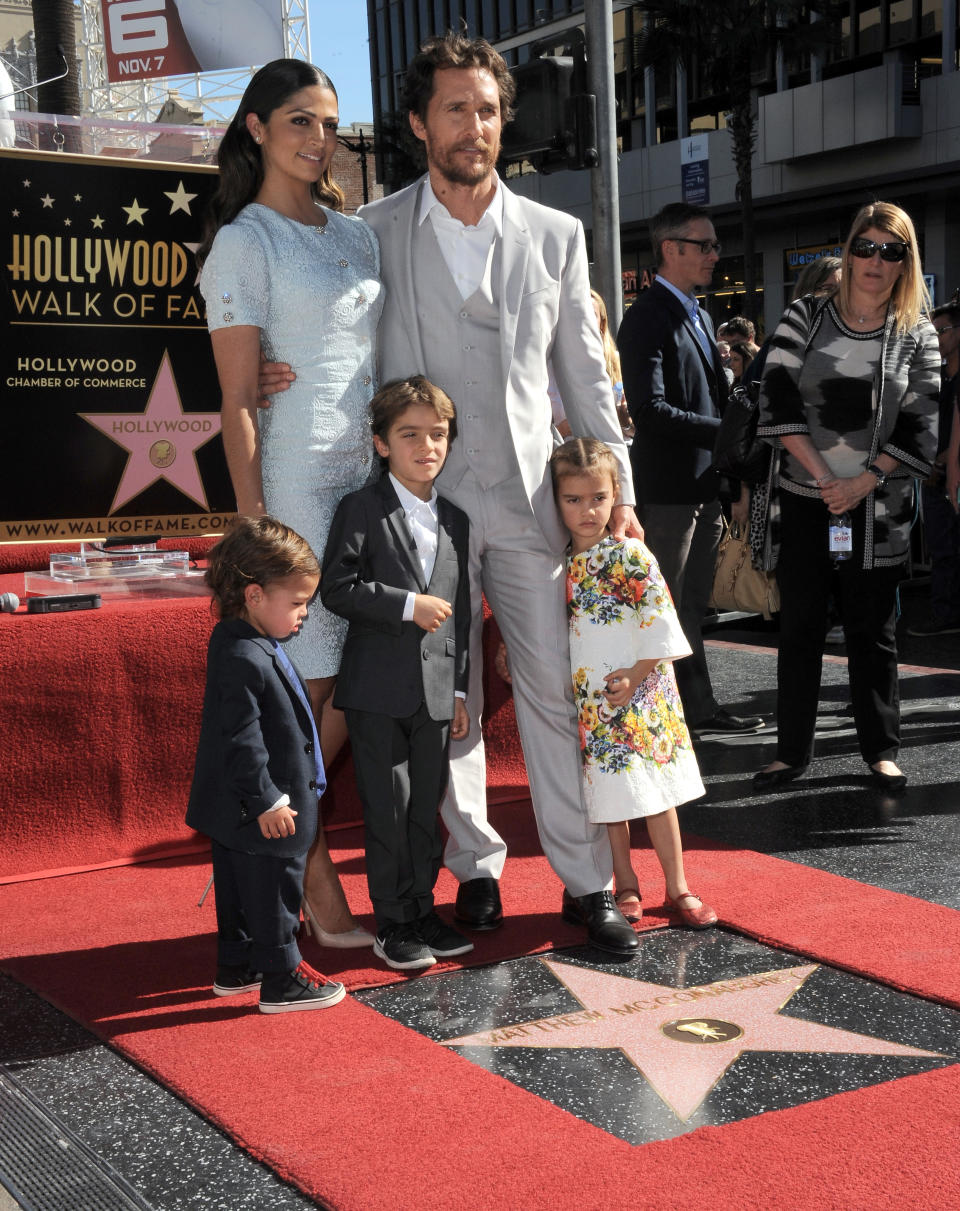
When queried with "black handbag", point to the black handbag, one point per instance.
{"points": [[737, 452]]}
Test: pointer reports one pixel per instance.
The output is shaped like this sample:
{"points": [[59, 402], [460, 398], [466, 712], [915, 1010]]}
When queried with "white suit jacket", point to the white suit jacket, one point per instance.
{"points": [[546, 318]]}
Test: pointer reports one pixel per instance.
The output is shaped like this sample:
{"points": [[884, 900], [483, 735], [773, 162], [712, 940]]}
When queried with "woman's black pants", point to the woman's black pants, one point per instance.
{"points": [[866, 601]]}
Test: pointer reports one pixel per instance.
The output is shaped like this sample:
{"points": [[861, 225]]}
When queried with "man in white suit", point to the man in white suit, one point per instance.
{"points": [[483, 290]]}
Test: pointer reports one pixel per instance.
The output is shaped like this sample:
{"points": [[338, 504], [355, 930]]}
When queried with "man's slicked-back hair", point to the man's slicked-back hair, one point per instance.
{"points": [[671, 222]]}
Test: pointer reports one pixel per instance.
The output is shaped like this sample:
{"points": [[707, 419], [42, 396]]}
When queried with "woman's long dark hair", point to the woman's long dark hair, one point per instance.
{"points": [[240, 158]]}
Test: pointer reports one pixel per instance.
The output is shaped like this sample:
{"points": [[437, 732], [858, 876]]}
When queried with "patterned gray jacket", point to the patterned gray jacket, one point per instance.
{"points": [[899, 419]]}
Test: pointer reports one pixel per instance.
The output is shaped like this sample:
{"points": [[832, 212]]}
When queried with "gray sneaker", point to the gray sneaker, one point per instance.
{"points": [[400, 946]]}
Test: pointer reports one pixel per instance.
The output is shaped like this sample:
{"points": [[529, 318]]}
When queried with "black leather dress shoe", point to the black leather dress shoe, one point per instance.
{"points": [[607, 928], [770, 779], [722, 723], [478, 904]]}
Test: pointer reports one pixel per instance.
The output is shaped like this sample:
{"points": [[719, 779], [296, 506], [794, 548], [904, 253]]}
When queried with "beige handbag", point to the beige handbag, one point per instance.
{"points": [[737, 584]]}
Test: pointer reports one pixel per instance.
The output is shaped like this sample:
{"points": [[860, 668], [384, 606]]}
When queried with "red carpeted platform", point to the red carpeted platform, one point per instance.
{"points": [[100, 712], [347, 1104], [99, 719]]}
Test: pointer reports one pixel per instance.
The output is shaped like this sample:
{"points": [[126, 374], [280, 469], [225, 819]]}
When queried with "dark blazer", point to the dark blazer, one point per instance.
{"points": [[389, 667], [256, 744], [675, 394]]}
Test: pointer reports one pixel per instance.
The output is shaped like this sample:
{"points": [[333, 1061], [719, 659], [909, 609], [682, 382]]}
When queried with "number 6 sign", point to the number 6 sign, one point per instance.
{"points": [[146, 39]]}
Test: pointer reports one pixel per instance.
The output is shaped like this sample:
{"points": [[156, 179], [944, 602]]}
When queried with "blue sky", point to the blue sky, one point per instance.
{"points": [[338, 44]]}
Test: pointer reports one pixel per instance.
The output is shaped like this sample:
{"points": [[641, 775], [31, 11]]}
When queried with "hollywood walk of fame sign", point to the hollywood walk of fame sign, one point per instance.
{"points": [[109, 393], [683, 1040]]}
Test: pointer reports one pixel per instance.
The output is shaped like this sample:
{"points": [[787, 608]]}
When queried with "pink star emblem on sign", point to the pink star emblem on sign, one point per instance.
{"points": [[162, 441], [682, 1040]]}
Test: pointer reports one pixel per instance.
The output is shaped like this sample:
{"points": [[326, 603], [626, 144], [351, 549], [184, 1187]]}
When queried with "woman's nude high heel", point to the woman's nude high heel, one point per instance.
{"points": [[339, 941]]}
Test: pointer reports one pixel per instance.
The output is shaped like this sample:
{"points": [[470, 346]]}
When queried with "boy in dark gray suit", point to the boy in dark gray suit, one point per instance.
{"points": [[395, 566]]}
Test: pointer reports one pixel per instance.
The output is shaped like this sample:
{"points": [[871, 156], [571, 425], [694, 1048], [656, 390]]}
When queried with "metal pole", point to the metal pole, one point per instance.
{"points": [[605, 178], [949, 37]]}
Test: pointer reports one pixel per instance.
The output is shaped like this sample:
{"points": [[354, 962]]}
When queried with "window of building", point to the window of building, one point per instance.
{"points": [[725, 296], [931, 17], [525, 15], [411, 34], [397, 50], [869, 28], [902, 13]]}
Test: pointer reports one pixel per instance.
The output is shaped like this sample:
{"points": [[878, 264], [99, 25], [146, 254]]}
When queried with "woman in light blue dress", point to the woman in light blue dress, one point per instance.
{"points": [[286, 273]]}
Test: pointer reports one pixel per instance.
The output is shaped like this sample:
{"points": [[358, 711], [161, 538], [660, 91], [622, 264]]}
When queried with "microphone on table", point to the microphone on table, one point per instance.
{"points": [[9, 603]]}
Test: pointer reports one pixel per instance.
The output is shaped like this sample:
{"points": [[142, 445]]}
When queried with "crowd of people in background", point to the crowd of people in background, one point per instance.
{"points": [[470, 309]]}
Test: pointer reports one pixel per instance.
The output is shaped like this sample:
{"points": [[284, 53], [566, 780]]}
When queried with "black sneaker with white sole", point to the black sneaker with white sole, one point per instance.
{"points": [[303, 988], [400, 946], [444, 941], [232, 980]]}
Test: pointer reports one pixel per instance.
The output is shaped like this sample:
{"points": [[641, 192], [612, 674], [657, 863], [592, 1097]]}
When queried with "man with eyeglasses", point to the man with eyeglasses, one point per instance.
{"points": [[676, 389], [941, 525]]}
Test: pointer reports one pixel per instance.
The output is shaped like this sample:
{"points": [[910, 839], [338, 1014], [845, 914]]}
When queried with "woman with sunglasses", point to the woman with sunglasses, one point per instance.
{"points": [[849, 403]]}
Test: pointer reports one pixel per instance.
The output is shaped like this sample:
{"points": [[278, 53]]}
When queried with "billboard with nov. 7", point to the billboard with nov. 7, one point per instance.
{"points": [[148, 39]]}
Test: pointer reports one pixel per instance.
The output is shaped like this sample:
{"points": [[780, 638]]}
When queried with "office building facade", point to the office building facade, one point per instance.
{"points": [[874, 114]]}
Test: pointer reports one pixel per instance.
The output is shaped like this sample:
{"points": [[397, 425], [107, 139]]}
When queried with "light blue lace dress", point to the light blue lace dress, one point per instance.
{"points": [[315, 294]]}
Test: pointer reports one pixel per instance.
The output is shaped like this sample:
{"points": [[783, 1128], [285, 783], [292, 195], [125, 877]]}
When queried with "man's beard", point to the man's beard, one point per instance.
{"points": [[471, 173]]}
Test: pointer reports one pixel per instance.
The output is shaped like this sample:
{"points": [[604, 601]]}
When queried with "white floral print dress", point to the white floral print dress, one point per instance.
{"points": [[638, 759]]}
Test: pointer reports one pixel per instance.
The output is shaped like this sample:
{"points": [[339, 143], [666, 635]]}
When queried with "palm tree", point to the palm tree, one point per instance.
{"points": [[733, 42], [54, 23]]}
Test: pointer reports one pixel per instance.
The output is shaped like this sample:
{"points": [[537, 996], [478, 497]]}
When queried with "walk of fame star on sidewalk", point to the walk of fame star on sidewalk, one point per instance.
{"points": [[162, 441], [682, 1040]]}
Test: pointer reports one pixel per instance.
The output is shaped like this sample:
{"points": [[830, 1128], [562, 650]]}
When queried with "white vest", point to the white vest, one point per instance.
{"points": [[462, 351]]}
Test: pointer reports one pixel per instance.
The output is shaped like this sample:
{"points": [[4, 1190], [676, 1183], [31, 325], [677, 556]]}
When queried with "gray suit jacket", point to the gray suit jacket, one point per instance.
{"points": [[546, 318], [389, 667]]}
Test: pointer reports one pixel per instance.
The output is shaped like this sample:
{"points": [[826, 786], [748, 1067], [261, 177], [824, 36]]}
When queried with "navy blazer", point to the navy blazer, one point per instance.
{"points": [[256, 744], [676, 395], [389, 667]]}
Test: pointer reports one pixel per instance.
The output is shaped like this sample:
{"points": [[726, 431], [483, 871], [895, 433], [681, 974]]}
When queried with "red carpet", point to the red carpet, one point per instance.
{"points": [[100, 712], [348, 1105]]}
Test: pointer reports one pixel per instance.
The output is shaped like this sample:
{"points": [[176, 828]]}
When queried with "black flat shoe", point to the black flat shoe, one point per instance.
{"points": [[888, 782], [770, 779], [607, 928], [478, 904]]}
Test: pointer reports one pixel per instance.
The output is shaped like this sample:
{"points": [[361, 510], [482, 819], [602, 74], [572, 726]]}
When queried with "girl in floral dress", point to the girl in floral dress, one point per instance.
{"points": [[637, 756]]}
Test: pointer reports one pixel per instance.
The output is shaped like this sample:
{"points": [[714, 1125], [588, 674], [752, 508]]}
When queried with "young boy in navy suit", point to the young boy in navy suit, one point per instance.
{"points": [[258, 772], [396, 567]]}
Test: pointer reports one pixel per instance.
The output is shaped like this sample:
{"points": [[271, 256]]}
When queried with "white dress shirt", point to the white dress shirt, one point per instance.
{"points": [[466, 250], [422, 520]]}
